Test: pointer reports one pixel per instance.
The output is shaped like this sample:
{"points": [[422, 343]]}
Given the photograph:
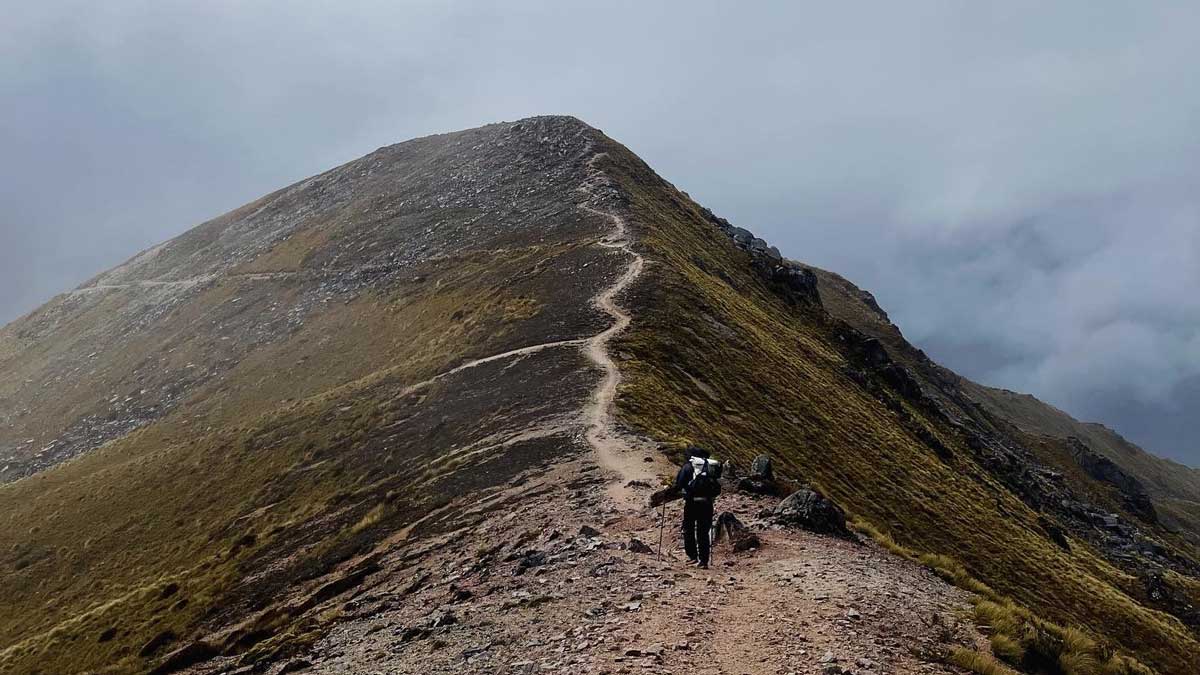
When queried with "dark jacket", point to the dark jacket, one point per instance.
{"points": [[683, 477]]}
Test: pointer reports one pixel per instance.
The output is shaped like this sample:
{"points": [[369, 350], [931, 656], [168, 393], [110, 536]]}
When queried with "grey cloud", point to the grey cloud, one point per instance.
{"points": [[1015, 182]]}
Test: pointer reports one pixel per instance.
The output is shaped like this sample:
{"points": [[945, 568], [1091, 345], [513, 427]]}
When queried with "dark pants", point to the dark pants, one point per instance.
{"points": [[697, 528]]}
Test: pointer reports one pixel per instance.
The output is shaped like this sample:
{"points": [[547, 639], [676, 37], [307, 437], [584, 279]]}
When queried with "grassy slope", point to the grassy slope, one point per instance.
{"points": [[731, 365], [306, 447], [1174, 488], [169, 504]]}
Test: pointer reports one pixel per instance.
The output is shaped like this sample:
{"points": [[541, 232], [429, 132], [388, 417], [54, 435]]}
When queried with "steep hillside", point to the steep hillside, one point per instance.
{"points": [[734, 349], [357, 424], [1139, 510], [1174, 488]]}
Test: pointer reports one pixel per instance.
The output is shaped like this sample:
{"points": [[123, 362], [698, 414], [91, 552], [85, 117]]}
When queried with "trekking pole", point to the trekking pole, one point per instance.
{"points": [[662, 520]]}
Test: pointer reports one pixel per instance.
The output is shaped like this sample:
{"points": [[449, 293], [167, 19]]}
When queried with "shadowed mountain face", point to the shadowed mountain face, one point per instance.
{"points": [[206, 447]]}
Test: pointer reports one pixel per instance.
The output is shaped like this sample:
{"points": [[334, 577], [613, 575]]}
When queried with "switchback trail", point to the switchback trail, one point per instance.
{"points": [[615, 451]]}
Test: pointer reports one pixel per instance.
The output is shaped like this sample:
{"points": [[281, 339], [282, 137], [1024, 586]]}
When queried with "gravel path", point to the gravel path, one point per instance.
{"points": [[558, 585]]}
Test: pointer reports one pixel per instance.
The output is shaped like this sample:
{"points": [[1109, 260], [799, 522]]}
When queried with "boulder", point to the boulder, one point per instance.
{"points": [[761, 480], [730, 529], [808, 509], [761, 468], [531, 559], [1053, 532], [741, 235], [797, 279], [441, 619]]}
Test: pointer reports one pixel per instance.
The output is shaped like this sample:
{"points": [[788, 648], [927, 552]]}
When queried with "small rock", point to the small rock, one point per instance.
{"points": [[295, 666], [442, 618], [638, 546]]}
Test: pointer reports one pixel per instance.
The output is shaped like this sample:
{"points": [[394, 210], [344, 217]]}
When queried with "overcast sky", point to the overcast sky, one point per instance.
{"points": [[1018, 183]]}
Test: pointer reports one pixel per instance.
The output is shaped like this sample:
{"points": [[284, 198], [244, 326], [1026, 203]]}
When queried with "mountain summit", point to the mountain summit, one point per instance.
{"points": [[406, 415]]}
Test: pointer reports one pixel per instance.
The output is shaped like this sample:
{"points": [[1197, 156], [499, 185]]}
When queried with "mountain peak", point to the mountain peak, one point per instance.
{"points": [[400, 413]]}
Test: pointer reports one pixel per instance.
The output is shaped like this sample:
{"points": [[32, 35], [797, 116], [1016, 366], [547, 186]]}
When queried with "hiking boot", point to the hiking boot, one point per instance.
{"points": [[702, 566]]}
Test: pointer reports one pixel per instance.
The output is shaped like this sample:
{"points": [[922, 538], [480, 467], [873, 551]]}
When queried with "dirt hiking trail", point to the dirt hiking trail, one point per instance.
{"points": [[563, 572], [567, 582], [616, 452]]}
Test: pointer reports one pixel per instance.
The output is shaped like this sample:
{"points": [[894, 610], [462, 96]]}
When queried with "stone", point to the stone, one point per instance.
{"points": [[442, 618], [729, 528], [761, 468], [638, 546], [295, 666], [797, 279], [1054, 532], [530, 559], [808, 509], [741, 235]]}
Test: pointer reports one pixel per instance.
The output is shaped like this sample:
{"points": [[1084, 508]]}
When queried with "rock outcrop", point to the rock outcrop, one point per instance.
{"points": [[1103, 469], [796, 281]]}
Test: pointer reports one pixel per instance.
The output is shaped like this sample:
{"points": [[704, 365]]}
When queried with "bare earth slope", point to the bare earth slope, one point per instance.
{"points": [[404, 417]]}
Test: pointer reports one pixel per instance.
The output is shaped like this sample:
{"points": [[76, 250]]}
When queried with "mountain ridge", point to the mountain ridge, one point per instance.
{"points": [[403, 349]]}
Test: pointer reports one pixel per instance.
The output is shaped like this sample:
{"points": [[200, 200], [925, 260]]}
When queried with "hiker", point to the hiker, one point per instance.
{"points": [[697, 481]]}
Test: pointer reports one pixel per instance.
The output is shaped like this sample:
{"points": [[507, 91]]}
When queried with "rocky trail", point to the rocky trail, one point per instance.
{"points": [[614, 451], [568, 583], [564, 572]]}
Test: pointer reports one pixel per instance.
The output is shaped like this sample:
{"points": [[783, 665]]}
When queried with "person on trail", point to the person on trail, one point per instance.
{"points": [[697, 482]]}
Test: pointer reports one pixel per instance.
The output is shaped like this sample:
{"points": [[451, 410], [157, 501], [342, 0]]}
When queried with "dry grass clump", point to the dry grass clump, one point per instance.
{"points": [[882, 538], [1018, 637], [371, 518], [1025, 641], [977, 662], [953, 571]]}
